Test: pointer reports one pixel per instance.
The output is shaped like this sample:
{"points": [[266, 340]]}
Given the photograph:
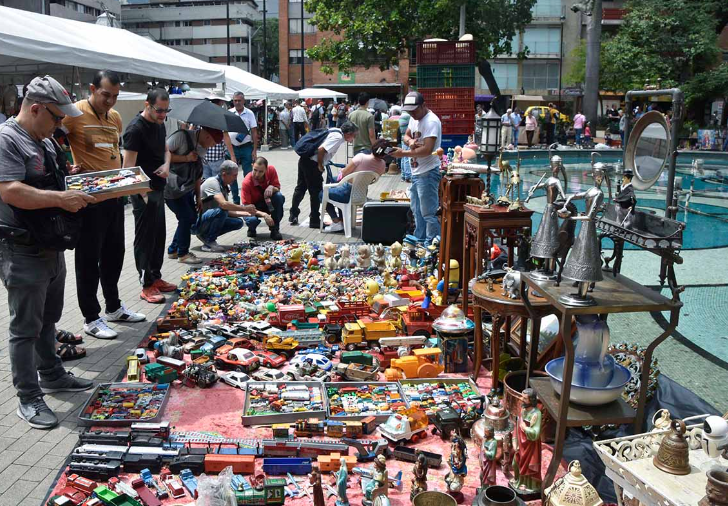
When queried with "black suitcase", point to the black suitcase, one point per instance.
{"points": [[385, 222]]}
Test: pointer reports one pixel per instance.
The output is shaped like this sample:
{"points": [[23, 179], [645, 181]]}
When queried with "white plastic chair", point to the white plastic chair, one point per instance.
{"points": [[360, 182]]}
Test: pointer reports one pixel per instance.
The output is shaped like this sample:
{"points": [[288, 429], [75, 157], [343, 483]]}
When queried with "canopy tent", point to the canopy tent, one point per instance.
{"points": [[254, 87], [320, 93], [27, 38]]}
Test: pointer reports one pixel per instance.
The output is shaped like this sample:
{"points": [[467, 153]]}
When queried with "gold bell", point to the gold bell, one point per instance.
{"points": [[674, 454], [572, 490]]}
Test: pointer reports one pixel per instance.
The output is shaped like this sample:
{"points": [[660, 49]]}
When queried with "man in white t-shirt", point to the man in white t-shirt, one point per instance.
{"points": [[245, 146], [310, 173], [298, 115], [423, 136]]}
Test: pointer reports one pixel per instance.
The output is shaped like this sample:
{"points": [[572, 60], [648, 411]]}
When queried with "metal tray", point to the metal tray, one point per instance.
{"points": [[120, 191], [446, 380], [283, 417], [85, 420], [347, 384]]}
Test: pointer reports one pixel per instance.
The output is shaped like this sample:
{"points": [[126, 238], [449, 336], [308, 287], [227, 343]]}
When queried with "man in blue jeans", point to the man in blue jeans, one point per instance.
{"points": [[423, 136], [262, 189], [219, 215], [245, 145]]}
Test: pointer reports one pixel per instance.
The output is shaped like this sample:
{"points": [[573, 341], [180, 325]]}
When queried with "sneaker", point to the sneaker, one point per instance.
{"points": [[252, 233], [335, 227], [151, 294], [66, 383], [173, 255], [189, 259], [37, 413], [275, 235], [164, 286], [124, 315], [99, 329], [213, 247], [293, 220]]}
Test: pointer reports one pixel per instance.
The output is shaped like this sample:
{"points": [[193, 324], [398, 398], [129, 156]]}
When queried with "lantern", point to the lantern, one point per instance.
{"points": [[490, 139], [572, 490], [453, 329]]}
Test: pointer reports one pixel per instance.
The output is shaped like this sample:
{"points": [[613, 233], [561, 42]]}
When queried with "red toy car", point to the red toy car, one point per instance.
{"points": [[270, 359], [238, 359], [234, 343]]}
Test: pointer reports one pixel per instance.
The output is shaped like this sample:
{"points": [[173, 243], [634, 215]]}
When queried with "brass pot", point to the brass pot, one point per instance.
{"points": [[497, 495], [433, 498], [515, 384], [674, 454], [717, 489]]}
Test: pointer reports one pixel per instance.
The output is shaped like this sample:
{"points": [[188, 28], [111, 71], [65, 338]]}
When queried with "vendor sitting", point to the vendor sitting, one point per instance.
{"points": [[262, 189], [361, 162], [219, 215]]}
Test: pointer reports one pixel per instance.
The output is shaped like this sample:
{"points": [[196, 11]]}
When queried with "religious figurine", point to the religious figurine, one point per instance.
{"points": [[490, 284], [317, 489], [458, 467], [394, 262], [329, 252], [488, 453], [342, 477], [527, 459], [514, 187], [378, 259], [363, 257], [378, 484], [419, 475]]}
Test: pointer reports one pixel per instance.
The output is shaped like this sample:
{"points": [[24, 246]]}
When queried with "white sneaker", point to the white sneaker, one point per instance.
{"points": [[99, 329], [189, 259], [335, 227], [213, 247], [124, 315]]}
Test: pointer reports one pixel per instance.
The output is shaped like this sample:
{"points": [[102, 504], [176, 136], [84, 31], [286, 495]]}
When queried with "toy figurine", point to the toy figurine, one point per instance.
{"points": [[317, 489], [458, 467], [389, 280], [490, 285], [626, 199], [363, 257], [378, 484], [378, 259], [488, 462], [527, 459], [394, 262], [419, 475], [342, 477], [512, 284], [345, 258], [294, 257], [372, 289], [329, 252]]}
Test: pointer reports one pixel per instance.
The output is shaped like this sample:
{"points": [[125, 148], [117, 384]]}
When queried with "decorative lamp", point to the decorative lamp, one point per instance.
{"points": [[453, 329], [490, 142], [572, 490]]}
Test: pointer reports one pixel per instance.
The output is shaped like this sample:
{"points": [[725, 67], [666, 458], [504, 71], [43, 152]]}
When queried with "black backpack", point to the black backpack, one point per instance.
{"points": [[309, 143], [316, 116]]}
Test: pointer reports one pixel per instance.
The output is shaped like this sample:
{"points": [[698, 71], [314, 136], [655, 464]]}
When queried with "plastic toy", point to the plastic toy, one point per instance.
{"points": [[378, 259], [363, 257], [238, 359], [408, 425], [394, 262], [329, 252], [294, 257], [423, 363], [266, 374], [344, 261], [132, 369], [389, 280], [364, 333]]}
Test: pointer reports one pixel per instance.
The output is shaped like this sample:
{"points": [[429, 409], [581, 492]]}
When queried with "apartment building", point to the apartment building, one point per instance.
{"points": [[79, 10]]}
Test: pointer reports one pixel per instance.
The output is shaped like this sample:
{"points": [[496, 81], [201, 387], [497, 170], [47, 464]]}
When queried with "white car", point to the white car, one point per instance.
{"points": [[313, 358], [141, 354], [267, 374], [235, 379]]}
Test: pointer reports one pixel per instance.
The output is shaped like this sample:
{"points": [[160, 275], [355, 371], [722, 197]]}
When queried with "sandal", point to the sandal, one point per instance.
{"points": [[66, 337], [70, 352]]}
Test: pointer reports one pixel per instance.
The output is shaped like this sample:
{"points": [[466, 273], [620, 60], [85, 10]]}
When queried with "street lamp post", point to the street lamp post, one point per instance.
{"points": [[561, 57], [265, 48], [303, 49], [227, 22]]}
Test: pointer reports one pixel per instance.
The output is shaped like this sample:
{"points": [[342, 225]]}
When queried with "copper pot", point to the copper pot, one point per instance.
{"points": [[515, 384], [674, 454], [716, 490]]}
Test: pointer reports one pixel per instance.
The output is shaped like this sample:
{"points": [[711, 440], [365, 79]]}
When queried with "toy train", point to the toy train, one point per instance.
{"points": [[331, 428]]}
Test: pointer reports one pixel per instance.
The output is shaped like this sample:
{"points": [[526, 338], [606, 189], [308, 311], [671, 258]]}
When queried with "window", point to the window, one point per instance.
{"points": [[540, 76], [206, 41], [547, 9], [186, 42], [240, 59], [294, 57], [206, 22], [515, 45], [174, 42], [505, 74], [178, 23], [542, 40], [294, 26], [237, 40], [186, 23]]}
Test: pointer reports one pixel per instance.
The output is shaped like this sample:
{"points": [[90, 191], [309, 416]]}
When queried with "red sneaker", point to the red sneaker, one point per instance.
{"points": [[163, 286], [151, 294]]}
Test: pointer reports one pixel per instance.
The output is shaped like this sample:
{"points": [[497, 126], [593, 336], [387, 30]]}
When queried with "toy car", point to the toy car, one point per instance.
{"points": [[141, 354], [266, 374], [234, 343], [213, 344], [238, 359], [235, 379], [326, 351], [408, 425], [270, 359], [313, 358], [307, 372], [202, 375]]}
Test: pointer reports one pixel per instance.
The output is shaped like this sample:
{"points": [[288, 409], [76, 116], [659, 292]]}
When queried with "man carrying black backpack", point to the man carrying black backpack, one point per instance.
{"points": [[316, 149]]}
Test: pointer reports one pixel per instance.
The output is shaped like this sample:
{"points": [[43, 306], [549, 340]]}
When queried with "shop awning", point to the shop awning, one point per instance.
{"points": [[27, 38], [528, 98], [320, 93], [255, 87]]}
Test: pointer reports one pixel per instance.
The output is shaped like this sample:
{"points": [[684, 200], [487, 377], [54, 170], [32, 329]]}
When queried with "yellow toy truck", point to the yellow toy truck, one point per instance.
{"points": [[363, 334], [423, 363], [283, 346]]}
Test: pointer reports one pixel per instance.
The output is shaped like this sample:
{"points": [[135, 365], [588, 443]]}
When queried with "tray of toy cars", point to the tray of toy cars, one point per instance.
{"points": [[120, 404], [110, 183], [268, 402], [435, 393], [352, 400]]}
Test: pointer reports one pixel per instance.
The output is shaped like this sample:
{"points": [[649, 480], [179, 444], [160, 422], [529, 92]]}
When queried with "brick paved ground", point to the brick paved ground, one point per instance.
{"points": [[30, 459]]}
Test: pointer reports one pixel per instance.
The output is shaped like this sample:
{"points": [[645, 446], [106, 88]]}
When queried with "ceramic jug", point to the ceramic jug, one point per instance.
{"points": [[593, 367]]}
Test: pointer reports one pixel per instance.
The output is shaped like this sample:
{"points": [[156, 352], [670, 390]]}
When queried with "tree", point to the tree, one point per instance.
{"points": [[271, 26], [371, 32], [707, 86], [576, 61]]}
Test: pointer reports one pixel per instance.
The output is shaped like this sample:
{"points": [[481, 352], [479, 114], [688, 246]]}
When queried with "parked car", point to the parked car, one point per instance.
{"points": [[313, 358], [235, 379], [540, 110], [270, 359], [266, 374], [238, 359]]}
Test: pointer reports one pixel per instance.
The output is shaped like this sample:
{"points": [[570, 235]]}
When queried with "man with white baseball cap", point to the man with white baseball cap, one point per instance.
{"points": [[32, 266]]}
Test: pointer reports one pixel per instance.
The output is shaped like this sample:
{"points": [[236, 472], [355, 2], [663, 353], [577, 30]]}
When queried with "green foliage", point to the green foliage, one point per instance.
{"points": [[271, 26], [372, 31], [576, 62], [708, 85]]}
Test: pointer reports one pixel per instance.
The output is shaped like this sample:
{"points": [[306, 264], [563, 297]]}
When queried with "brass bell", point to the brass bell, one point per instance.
{"points": [[674, 454]]}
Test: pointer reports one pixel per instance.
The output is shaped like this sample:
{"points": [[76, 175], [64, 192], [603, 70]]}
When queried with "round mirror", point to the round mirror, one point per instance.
{"points": [[647, 149]]}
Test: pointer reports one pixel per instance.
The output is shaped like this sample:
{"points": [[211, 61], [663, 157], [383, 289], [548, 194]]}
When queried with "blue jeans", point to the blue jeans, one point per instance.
{"points": [[211, 169], [215, 222], [186, 213], [515, 136], [244, 156], [406, 167], [578, 132], [424, 201], [277, 200], [340, 194]]}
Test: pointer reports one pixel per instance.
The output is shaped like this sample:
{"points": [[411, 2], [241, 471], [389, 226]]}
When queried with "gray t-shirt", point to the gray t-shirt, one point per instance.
{"points": [[21, 159], [211, 187], [177, 143]]}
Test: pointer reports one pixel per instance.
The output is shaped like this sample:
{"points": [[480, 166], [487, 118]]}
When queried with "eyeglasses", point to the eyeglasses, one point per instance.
{"points": [[160, 110], [56, 118]]}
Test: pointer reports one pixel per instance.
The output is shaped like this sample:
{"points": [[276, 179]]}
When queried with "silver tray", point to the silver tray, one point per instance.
{"points": [[86, 420], [272, 418], [130, 189], [348, 384], [446, 380]]}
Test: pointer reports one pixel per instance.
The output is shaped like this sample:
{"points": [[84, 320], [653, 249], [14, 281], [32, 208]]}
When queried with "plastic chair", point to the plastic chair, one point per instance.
{"points": [[360, 182]]}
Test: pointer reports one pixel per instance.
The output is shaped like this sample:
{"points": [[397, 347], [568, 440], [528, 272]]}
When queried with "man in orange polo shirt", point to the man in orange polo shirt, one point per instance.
{"points": [[262, 189]]}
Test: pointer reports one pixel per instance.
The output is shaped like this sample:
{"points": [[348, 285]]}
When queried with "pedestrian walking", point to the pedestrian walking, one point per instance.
{"points": [[579, 121], [531, 124], [284, 125], [364, 121], [506, 130], [244, 145], [145, 146], [300, 120], [515, 125]]}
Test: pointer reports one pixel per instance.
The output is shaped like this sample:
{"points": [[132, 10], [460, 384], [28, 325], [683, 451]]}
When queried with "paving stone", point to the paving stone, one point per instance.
{"points": [[41, 489], [11, 474], [35, 453], [7, 457], [17, 493], [27, 440], [65, 446]]}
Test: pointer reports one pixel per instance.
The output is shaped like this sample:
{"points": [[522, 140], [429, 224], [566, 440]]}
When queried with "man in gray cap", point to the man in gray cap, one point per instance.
{"points": [[33, 270]]}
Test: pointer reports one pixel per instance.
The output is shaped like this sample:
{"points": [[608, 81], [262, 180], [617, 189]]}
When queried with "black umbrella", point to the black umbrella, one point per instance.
{"points": [[202, 112]]}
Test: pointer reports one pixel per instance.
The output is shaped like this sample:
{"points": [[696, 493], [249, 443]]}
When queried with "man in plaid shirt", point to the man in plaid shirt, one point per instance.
{"points": [[216, 154]]}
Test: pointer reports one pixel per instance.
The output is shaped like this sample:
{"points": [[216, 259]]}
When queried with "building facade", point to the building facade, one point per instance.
{"points": [[79, 10], [197, 27]]}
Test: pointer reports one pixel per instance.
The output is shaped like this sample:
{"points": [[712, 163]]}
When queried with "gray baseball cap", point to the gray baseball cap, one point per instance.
{"points": [[47, 90], [412, 101]]}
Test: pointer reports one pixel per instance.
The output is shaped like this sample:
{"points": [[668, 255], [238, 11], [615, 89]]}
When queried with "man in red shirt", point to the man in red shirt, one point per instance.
{"points": [[262, 189]]}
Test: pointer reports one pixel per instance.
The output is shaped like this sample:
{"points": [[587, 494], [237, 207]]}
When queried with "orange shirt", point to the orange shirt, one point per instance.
{"points": [[94, 138]]}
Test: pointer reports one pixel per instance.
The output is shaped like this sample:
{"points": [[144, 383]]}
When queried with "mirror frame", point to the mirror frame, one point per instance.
{"points": [[649, 118]]}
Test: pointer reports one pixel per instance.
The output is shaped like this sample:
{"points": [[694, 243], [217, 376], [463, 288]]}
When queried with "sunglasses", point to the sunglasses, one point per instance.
{"points": [[159, 110], [57, 118]]}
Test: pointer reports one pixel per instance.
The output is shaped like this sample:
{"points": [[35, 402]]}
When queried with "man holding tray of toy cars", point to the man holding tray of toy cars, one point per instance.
{"points": [[94, 138]]}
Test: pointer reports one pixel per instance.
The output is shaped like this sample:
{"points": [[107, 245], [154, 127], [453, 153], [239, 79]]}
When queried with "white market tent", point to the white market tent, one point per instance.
{"points": [[27, 38], [320, 93], [254, 87]]}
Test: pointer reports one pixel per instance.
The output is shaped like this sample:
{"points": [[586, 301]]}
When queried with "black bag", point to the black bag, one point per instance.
{"points": [[52, 227], [308, 144], [385, 222], [183, 176], [315, 116]]}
